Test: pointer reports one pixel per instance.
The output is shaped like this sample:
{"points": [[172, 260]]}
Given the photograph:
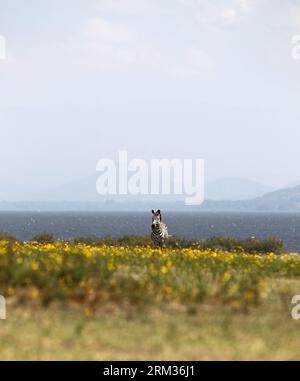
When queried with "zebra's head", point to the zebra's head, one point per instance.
{"points": [[156, 218]]}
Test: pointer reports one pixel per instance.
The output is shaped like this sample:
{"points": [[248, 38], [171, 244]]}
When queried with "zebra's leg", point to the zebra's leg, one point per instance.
{"points": [[154, 243]]}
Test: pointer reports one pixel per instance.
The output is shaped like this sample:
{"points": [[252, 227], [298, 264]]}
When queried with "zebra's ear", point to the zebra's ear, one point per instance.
{"points": [[160, 216], [152, 211]]}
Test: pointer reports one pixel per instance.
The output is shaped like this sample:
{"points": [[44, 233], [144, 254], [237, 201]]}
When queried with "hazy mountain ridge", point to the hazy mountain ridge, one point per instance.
{"points": [[84, 190], [283, 200], [235, 189]]}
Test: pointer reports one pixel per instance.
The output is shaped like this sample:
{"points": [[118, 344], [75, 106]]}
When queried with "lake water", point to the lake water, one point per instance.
{"points": [[67, 225]]}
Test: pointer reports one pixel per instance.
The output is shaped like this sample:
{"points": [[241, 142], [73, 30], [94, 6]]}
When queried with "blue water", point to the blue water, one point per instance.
{"points": [[194, 225]]}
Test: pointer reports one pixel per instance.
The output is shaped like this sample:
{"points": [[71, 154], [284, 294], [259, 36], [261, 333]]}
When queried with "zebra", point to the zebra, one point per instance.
{"points": [[159, 232]]}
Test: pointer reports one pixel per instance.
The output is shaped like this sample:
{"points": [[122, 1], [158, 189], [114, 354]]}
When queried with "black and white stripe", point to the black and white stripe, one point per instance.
{"points": [[159, 230]]}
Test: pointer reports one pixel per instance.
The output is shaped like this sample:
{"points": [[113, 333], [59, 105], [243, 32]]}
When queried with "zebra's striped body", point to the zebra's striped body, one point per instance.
{"points": [[159, 233]]}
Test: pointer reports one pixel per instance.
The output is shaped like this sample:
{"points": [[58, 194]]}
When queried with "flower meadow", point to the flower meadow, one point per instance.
{"points": [[140, 276]]}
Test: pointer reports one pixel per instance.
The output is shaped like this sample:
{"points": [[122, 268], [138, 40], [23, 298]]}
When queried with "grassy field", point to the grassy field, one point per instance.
{"points": [[80, 301]]}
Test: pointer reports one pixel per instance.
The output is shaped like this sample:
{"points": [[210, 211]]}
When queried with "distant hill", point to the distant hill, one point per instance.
{"points": [[222, 195], [84, 190], [283, 200], [235, 189]]}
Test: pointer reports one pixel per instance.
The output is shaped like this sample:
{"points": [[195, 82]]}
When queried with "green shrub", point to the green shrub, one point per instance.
{"points": [[270, 245], [251, 245], [44, 237], [7, 237], [127, 240], [213, 243]]}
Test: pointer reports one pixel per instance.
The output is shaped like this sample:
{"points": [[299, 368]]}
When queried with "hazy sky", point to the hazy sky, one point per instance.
{"points": [[161, 78]]}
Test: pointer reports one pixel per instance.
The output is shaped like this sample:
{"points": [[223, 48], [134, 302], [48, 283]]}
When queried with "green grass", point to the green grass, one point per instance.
{"points": [[211, 332], [123, 302]]}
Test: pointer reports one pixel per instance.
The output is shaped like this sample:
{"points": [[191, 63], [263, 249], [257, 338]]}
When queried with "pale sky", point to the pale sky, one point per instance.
{"points": [[160, 78]]}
